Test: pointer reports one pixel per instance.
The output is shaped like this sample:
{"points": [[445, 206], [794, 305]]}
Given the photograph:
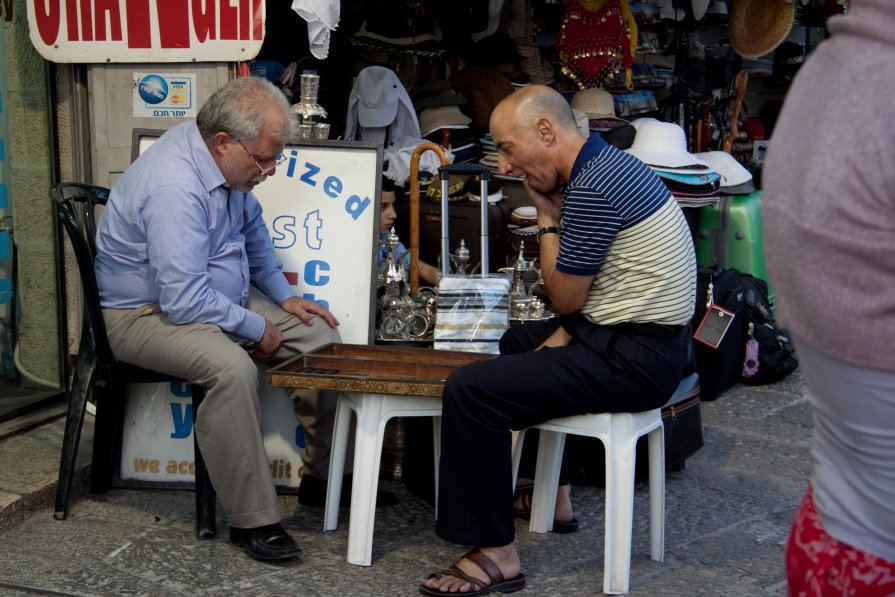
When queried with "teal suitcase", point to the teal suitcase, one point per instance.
{"points": [[731, 235]]}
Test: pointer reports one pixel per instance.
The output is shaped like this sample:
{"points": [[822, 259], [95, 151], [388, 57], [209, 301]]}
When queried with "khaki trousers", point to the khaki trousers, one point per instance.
{"points": [[228, 424]]}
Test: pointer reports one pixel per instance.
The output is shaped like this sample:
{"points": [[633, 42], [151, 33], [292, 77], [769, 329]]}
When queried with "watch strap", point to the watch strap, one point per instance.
{"points": [[547, 230]]}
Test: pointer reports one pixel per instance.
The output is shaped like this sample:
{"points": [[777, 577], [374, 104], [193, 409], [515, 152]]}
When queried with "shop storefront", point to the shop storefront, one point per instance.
{"points": [[100, 82], [29, 300]]}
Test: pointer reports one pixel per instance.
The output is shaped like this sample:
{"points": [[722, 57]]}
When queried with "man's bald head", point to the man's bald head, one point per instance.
{"points": [[526, 106], [535, 133]]}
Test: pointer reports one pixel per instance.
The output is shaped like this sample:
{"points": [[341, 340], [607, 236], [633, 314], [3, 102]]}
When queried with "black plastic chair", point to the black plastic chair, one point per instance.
{"points": [[97, 370]]}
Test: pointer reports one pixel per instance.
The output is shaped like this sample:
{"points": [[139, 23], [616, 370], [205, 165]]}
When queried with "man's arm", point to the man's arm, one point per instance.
{"points": [[567, 292]]}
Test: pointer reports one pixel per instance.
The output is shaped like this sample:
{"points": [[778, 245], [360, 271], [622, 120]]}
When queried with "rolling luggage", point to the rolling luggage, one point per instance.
{"points": [[730, 235], [419, 475], [464, 222], [472, 309]]}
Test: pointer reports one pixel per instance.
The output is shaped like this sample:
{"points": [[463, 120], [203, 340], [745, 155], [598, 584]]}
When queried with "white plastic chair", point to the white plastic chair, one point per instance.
{"points": [[619, 433], [373, 412]]}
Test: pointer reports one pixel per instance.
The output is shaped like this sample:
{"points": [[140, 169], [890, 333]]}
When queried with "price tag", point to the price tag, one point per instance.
{"points": [[714, 325]]}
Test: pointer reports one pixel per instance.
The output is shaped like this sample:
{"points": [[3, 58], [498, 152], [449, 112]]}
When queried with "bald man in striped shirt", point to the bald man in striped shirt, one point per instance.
{"points": [[618, 263]]}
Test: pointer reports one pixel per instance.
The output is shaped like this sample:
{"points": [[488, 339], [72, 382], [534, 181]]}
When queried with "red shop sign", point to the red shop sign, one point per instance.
{"points": [[146, 30]]}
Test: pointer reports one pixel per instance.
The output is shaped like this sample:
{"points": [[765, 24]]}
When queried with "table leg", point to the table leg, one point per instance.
{"points": [[341, 430], [371, 422]]}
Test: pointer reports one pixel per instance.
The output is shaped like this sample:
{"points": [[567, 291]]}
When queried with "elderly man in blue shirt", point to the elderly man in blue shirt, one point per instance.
{"points": [[188, 281]]}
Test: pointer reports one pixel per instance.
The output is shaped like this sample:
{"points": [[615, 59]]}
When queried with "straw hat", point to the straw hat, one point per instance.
{"points": [[597, 103], [759, 26], [664, 144]]}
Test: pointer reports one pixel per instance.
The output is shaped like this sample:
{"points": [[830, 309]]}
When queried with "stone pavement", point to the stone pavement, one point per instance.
{"points": [[727, 521]]}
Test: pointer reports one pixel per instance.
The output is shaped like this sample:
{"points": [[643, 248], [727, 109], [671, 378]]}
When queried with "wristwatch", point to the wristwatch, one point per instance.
{"points": [[547, 230]]}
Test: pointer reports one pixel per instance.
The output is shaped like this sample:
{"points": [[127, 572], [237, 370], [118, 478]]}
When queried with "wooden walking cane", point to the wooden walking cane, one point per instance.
{"points": [[415, 207], [742, 78]]}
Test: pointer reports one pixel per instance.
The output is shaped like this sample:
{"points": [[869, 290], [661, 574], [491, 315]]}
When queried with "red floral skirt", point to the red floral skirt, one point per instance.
{"points": [[819, 566]]}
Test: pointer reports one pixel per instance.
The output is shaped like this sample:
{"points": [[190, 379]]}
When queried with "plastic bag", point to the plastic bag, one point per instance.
{"points": [[472, 312]]}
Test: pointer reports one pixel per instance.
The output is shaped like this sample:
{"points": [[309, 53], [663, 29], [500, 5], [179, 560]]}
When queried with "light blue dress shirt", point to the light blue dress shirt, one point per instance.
{"points": [[174, 234]]}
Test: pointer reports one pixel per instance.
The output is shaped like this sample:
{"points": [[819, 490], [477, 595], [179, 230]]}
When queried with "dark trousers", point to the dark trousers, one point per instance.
{"points": [[603, 369]]}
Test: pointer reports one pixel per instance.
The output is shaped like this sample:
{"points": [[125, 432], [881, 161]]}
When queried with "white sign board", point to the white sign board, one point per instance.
{"points": [[322, 210], [164, 95], [146, 30], [158, 434]]}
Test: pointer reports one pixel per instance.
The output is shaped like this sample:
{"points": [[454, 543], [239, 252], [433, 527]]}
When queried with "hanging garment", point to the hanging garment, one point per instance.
{"points": [[598, 39]]}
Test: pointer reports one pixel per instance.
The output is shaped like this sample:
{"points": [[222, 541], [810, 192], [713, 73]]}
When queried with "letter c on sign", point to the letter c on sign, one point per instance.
{"points": [[313, 277]]}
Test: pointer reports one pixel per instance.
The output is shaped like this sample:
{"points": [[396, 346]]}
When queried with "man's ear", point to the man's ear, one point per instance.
{"points": [[545, 131], [220, 143]]}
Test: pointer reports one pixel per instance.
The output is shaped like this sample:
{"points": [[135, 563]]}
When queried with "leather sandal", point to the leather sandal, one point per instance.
{"points": [[559, 526], [496, 582]]}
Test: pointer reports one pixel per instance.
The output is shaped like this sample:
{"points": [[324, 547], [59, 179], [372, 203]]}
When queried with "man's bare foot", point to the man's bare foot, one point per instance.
{"points": [[484, 567], [563, 511]]}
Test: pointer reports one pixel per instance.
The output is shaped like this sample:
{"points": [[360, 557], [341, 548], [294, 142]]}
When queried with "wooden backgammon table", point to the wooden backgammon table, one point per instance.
{"points": [[386, 369], [377, 383]]}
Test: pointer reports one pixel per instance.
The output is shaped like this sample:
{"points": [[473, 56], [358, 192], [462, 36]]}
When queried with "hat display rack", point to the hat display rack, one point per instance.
{"points": [[588, 50]]}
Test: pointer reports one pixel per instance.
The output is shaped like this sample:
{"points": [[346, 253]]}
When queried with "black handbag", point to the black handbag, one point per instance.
{"points": [[720, 368], [770, 354]]}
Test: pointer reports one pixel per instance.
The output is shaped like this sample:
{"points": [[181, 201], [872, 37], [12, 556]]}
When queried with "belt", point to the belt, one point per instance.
{"points": [[656, 330]]}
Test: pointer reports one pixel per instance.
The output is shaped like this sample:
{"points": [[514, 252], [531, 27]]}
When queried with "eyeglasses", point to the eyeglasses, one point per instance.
{"points": [[264, 171]]}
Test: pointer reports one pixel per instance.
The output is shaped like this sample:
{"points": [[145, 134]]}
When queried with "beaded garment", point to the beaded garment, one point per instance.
{"points": [[597, 39]]}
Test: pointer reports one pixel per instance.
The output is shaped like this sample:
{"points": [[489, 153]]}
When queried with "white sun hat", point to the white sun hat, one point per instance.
{"points": [[735, 178], [699, 7], [664, 144], [639, 121]]}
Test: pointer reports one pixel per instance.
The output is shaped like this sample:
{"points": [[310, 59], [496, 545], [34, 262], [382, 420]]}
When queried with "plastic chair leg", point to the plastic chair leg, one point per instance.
{"points": [[656, 441], [543, 499], [206, 524], [517, 441], [436, 452], [619, 517], [74, 421], [107, 433]]}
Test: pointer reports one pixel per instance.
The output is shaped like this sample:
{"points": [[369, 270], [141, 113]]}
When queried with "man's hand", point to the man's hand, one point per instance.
{"points": [[558, 338], [304, 309], [270, 342], [549, 205]]}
